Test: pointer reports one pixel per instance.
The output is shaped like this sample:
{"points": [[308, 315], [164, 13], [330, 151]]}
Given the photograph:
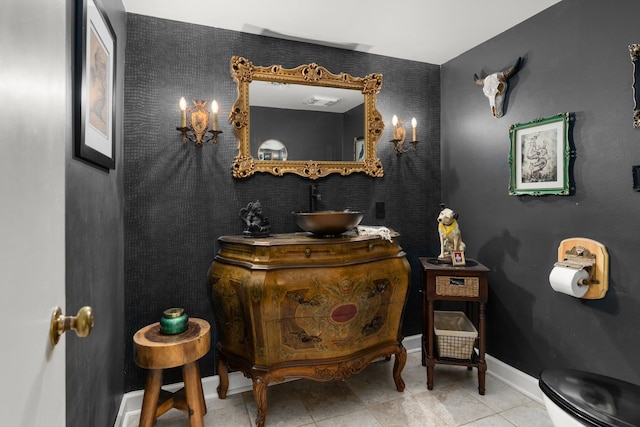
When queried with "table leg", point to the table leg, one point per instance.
{"points": [[150, 400], [424, 323], [431, 360], [482, 364], [193, 394]]}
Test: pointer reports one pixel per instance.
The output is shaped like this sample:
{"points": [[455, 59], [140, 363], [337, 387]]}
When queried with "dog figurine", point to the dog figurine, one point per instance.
{"points": [[449, 231]]}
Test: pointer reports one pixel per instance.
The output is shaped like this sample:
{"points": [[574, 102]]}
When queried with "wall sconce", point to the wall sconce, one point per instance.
{"points": [[198, 130], [399, 135]]}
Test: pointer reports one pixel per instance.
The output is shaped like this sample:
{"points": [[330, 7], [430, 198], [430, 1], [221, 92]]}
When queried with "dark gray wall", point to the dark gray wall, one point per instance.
{"points": [[179, 199], [95, 265], [576, 60]]}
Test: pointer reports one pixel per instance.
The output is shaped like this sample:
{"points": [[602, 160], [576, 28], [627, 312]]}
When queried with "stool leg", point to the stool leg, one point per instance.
{"points": [[150, 400], [202, 403], [193, 394]]}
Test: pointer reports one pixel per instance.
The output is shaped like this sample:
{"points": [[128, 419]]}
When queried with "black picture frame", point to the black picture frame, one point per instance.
{"points": [[94, 85]]}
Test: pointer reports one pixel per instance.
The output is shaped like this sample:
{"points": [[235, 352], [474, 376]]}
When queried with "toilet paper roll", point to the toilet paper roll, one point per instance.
{"points": [[565, 280]]}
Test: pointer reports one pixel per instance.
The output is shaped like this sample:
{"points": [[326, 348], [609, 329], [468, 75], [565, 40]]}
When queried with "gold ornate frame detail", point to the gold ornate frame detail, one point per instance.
{"points": [[634, 52], [244, 72]]}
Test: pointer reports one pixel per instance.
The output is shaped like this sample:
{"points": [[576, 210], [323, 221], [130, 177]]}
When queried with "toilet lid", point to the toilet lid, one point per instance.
{"points": [[592, 398]]}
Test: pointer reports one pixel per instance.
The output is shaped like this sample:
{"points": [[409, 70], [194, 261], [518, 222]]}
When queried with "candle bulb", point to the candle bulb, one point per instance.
{"points": [[214, 120], [394, 122], [414, 124], [183, 112]]}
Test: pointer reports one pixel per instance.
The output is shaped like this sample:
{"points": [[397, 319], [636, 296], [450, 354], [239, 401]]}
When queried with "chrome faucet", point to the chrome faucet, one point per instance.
{"points": [[314, 196]]}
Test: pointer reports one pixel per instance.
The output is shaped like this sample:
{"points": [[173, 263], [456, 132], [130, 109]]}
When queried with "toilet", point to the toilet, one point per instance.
{"points": [[578, 398]]}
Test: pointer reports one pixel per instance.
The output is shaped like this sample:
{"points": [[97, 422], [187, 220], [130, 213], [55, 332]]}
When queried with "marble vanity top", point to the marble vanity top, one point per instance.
{"points": [[300, 238], [278, 250]]}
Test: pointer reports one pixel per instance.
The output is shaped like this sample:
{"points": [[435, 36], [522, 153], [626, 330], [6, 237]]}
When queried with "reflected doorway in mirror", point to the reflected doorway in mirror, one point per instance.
{"points": [[358, 149], [272, 149]]}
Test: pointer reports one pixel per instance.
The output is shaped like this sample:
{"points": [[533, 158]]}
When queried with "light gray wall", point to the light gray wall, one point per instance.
{"points": [[576, 60]]}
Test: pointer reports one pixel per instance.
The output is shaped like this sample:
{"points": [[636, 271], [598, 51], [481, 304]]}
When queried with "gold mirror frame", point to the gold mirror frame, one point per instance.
{"points": [[244, 72], [634, 52]]}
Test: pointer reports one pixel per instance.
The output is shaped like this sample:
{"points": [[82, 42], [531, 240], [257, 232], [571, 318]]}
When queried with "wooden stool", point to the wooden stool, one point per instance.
{"points": [[156, 351]]}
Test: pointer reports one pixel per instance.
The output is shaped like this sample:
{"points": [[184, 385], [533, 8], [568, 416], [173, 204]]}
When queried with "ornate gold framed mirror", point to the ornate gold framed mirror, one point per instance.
{"points": [[321, 118], [634, 51]]}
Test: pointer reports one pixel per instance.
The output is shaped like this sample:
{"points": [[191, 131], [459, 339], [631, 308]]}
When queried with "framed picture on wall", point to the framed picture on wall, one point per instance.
{"points": [[93, 85], [539, 157], [358, 149]]}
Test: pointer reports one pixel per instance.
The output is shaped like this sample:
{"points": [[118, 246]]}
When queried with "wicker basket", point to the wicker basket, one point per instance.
{"points": [[455, 334], [457, 286]]}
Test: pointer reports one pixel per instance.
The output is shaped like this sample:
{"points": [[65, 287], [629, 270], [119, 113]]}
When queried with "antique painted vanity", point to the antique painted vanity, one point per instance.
{"points": [[303, 306]]}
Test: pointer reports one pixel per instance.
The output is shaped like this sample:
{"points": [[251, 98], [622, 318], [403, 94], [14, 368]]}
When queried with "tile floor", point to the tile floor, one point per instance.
{"points": [[370, 399]]}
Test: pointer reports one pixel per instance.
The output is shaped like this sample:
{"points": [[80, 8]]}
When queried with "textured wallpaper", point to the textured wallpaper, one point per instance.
{"points": [[179, 198]]}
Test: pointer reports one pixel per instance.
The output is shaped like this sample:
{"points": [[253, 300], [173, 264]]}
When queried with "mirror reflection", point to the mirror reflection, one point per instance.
{"points": [[325, 123], [313, 122]]}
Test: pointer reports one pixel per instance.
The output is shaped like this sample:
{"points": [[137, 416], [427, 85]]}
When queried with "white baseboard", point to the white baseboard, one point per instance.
{"points": [[524, 383], [132, 402]]}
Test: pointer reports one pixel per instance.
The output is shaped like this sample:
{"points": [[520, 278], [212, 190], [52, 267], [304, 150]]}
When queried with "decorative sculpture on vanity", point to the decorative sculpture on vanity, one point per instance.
{"points": [[256, 225], [450, 235], [494, 87]]}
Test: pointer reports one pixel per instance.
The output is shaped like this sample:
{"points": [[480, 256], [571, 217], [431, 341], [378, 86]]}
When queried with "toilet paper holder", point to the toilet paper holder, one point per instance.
{"points": [[578, 258], [581, 253]]}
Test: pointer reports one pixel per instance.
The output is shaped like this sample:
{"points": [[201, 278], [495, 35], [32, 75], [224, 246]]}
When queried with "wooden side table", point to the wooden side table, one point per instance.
{"points": [[445, 282], [156, 352]]}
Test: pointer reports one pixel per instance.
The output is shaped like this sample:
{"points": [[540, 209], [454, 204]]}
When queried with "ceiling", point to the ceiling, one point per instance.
{"points": [[431, 31]]}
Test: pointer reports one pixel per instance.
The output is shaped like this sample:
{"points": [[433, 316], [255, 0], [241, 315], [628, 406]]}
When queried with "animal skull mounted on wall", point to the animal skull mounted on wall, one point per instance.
{"points": [[494, 87]]}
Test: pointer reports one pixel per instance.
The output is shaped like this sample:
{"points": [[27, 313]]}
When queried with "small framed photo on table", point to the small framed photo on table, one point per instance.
{"points": [[457, 258]]}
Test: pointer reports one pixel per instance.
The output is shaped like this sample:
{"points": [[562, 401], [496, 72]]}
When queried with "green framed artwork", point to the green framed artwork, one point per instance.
{"points": [[539, 157]]}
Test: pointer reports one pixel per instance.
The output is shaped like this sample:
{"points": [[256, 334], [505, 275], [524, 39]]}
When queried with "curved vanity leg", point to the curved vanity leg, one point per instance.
{"points": [[223, 374], [398, 366], [260, 396]]}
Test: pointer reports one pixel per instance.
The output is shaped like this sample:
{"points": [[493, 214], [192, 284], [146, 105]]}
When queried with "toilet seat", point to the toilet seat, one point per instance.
{"points": [[591, 398]]}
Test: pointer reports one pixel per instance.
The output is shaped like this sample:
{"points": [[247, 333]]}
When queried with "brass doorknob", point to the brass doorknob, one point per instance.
{"points": [[82, 323]]}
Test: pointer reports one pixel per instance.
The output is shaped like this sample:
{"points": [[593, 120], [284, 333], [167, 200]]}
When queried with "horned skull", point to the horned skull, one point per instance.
{"points": [[494, 87]]}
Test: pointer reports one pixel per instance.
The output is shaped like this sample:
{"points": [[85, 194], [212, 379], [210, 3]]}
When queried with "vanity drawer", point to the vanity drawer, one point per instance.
{"points": [[453, 286]]}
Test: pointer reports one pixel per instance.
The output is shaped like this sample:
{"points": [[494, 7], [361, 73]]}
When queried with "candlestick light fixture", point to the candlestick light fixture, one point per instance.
{"points": [[399, 135], [197, 129]]}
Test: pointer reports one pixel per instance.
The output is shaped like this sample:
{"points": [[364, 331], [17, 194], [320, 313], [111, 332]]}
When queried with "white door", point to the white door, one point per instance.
{"points": [[34, 133]]}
